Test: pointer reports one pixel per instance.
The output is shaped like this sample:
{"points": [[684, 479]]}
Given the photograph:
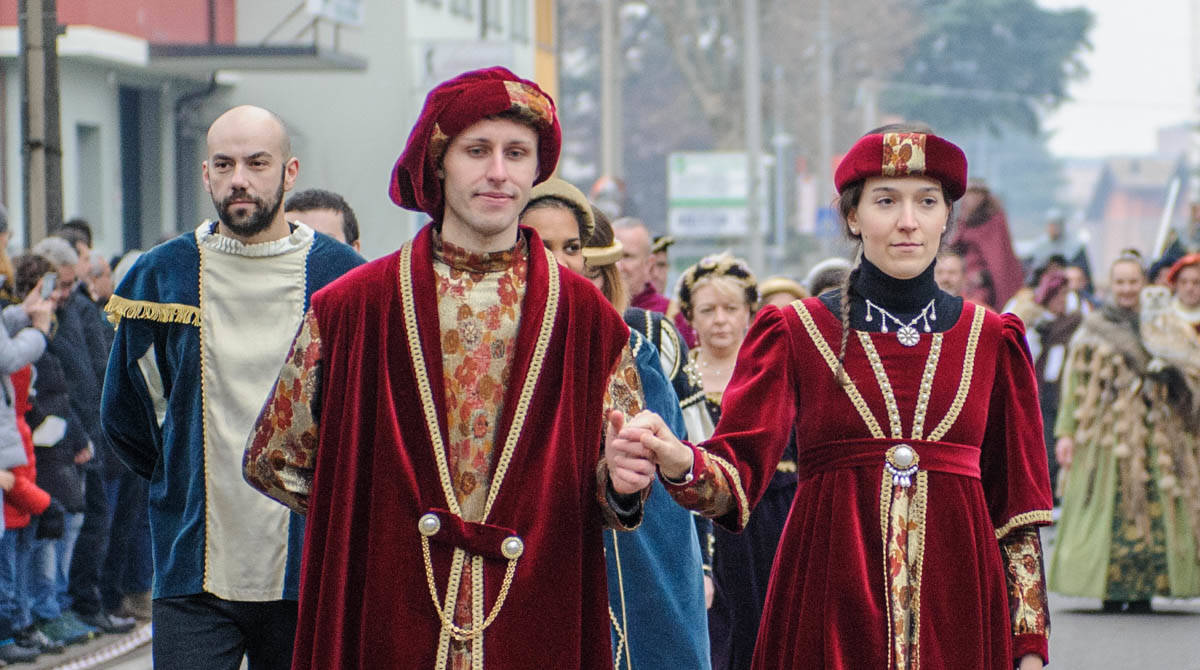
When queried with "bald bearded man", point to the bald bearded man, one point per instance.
{"points": [[204, 323]]}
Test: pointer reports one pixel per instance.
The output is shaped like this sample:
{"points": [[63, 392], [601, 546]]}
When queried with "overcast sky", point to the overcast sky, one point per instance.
{"points": [[1139, 78]]}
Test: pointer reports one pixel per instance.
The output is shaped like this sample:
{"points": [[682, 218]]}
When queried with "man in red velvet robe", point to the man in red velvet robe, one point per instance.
{"points": [[440, 419]]}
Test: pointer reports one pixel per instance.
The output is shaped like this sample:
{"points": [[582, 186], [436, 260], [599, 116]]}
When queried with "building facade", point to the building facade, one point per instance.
{"points": [[140, 80]]}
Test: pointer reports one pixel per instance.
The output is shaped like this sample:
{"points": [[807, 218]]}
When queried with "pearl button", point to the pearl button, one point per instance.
{"points": [[904, 456], [512, 547], [429, 524]]}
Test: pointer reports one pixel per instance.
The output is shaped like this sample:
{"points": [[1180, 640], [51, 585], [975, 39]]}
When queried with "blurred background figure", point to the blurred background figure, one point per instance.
{"points": [[827, 275], [1127, 429], [1184, 280], [781, 291], [660, 266], [325, 212], [992, 271], [948, 273]]}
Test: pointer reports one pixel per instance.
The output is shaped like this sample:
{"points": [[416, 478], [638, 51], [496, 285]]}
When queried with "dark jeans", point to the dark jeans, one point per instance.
{"points": [[127, 569], [91, 547], [204, 631]]}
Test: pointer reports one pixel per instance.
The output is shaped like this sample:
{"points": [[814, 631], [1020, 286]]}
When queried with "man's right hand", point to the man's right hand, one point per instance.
{"points": [[7, 480], [629, 463]]}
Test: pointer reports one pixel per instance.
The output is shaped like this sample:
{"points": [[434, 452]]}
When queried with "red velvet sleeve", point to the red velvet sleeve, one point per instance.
{"points": [[757, 412], [1016, 483], [1016, 479]]}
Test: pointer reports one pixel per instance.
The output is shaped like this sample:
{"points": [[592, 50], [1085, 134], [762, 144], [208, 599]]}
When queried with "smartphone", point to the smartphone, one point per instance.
{"points": [[48, 282]]}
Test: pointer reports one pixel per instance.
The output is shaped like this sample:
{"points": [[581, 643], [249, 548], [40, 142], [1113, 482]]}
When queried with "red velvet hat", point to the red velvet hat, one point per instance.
{"points": [[904, 155], [451, 108], [1190, 259]]}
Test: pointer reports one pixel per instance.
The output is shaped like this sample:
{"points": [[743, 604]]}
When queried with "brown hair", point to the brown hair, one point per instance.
{"points": [[611, 284], [28, 270]]}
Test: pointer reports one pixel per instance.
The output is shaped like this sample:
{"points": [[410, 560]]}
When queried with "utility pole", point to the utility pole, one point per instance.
{"points": [[41, 141], [824, 102], [781, 141], [611, 155], [752, 95]]}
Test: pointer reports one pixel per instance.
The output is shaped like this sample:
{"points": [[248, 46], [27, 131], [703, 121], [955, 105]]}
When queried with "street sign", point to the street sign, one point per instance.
{"points": [[346, 12], [706, 193]]}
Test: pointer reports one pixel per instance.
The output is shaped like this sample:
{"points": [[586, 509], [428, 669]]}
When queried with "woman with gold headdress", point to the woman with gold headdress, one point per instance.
{"points": [[656, 592], [1127, 436], [912, 539]]}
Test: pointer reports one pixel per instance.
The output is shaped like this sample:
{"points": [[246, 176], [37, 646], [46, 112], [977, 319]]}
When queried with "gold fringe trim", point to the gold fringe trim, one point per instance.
{"points": [[164, 312], [1024, 520]]}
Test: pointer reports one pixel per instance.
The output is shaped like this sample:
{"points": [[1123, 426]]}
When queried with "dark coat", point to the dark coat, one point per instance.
{"points": [[57, 472]]}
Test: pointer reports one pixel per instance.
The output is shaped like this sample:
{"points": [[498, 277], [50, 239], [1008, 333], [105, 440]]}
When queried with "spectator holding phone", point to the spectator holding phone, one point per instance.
{"points": [[22, 341]]}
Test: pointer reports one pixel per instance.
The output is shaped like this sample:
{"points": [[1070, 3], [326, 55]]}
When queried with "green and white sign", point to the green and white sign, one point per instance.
{"points": [[706, 192]]}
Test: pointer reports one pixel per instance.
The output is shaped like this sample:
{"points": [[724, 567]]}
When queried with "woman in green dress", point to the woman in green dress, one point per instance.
{"points": [[1127, 431]]}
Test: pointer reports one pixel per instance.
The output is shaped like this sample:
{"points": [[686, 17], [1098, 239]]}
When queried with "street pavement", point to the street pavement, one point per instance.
{"points": [[1081, 637]]}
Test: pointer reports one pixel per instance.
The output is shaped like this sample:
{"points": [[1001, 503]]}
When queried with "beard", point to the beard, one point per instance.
{"points": [[257, 219]]}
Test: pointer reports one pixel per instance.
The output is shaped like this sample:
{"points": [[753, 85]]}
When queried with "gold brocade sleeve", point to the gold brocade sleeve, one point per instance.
{"points": [[624, 393], [1026, 578], [281, 454], [708, 491]]}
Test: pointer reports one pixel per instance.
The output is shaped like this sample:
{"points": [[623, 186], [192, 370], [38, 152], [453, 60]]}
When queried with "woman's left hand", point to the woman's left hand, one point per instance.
{"points": [[1031, 662]]}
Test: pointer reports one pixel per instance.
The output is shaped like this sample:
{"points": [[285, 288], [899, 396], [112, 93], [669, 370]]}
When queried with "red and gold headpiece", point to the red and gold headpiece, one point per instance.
{"points": [[453, 106], [901, 154]]}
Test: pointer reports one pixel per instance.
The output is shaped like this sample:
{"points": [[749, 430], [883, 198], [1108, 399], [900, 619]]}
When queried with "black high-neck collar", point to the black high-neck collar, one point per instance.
{"points": [[892, 294], [904, 299]]}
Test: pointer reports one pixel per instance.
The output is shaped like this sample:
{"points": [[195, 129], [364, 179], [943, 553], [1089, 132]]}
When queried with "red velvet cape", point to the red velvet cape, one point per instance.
{"points": [[364, 600], [825, 605]]}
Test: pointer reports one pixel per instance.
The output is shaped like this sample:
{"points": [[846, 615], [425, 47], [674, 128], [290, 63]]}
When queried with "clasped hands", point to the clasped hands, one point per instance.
{"points": [[635, 447]]}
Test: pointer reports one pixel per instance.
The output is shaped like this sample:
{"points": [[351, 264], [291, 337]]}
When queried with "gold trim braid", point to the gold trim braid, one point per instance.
{"points": [[964, 382], [1037, 515], [831, 360], [163, 312]]}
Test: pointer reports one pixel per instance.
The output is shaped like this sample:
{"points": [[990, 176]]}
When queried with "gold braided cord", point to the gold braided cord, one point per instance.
{"points": [[885, 522], [549, 314], [623, 628], [446, 613], [931, 363], [964, 382], [736, 479], [831, 360], [424, 388], [163, 312], [204, 431], [477, 610], [917, 517], [1042, 515], [885, 385], [452, 587]]}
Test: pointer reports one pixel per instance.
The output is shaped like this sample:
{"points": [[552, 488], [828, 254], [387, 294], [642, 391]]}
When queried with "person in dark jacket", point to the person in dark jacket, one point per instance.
{"points": [[81, 345], [61, 446]]}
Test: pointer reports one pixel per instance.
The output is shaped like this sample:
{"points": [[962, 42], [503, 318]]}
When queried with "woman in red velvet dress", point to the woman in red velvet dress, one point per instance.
{"points": [[912, 541]]}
